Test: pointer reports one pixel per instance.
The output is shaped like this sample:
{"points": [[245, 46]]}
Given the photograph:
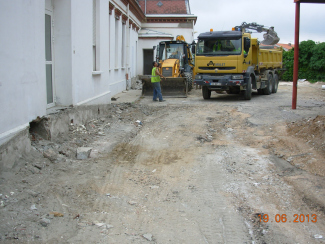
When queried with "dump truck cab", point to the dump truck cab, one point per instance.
{"points": [[232, 61], [223, 52]]}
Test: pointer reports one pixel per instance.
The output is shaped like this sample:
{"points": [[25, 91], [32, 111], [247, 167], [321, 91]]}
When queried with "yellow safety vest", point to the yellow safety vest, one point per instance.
{"points": [[216, 48], [154, 77]]}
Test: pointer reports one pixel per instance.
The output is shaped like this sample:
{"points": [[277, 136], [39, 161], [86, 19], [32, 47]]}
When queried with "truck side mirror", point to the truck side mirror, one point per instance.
{"points": [[193, 49], [247, 44]]}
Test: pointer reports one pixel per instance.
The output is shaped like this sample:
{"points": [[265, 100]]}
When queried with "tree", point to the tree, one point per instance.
{"points": [[311, 62], [317, 61], [305, 52], [287, 61]]}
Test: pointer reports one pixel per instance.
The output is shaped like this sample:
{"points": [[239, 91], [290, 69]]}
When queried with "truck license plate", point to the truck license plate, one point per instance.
{"points": [[214, 84]]}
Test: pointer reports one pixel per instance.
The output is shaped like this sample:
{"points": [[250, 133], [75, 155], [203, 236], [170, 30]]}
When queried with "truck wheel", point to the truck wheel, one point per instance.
{"points": [[233, 90], [248, 91], [206, 92], [275, 83], [189, 79], [268, 89], [230, 91], [260, 91]]}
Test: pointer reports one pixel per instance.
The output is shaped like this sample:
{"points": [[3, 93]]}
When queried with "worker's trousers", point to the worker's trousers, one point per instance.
{"points": [[157, 91]]}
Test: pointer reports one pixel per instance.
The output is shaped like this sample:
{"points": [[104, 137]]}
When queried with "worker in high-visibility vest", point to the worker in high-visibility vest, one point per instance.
{"points": [[217, 46], [155, 81]]}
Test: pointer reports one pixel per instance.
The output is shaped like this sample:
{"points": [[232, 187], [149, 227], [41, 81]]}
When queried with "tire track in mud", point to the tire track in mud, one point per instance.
{"points": [[156, 150], [217, 221], [206, 211], [208, 219], [117, 184]]}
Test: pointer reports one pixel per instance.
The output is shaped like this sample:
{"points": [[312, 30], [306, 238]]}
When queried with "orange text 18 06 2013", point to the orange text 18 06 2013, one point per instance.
{"points": [[284, 218]]}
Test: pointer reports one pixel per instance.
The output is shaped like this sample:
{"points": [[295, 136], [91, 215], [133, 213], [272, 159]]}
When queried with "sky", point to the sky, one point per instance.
{"points": [[223, 15]]}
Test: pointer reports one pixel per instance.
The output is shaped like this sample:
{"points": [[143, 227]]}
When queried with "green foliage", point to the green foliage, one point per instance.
{"points": [[305, 53], [287, 60], [311, 62], [317, 61]]}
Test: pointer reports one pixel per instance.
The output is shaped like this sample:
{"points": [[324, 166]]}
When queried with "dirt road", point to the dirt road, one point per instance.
{"points": [[223, 170]]}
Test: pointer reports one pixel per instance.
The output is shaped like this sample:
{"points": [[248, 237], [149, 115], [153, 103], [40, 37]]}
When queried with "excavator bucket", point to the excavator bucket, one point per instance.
{"points": [[270, 38], [171, 87]]}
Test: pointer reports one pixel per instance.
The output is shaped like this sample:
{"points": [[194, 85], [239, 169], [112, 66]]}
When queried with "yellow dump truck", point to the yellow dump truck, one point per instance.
{"points": [[176, 64], [234, 62]]}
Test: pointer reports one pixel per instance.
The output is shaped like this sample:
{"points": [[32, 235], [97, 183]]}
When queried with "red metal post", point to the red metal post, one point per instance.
{"points": [[296, 57]]}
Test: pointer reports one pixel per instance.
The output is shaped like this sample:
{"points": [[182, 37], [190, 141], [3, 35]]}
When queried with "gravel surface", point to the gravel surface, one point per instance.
{"points": [[189, 170]]}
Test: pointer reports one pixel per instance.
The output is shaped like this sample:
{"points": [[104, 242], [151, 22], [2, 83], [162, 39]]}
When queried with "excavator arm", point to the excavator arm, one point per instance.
{"points": [[270, 37]]}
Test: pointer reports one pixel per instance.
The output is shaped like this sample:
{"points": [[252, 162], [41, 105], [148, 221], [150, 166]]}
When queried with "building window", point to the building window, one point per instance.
{"points": [[123, 45], [110, 34], [109, 40], [49, 62], [117, 22], [95, 39]]}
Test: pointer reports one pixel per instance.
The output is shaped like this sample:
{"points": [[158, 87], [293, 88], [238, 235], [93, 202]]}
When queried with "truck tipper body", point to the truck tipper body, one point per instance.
{"points": [[234, 62]]}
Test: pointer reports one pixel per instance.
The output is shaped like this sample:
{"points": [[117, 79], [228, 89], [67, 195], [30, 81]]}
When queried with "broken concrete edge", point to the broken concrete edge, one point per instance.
{"points": [[52, 125], [49, 127], [13, 149]]}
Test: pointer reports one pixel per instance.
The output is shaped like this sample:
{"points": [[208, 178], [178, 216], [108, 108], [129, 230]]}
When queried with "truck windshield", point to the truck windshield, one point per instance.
{"points": [[212, 47], [171, 50]]}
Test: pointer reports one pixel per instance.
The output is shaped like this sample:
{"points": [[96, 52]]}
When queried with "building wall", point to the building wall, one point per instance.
{"points": [[22, 67], [89, 87], [175, 29], [62, 52], [22, 56], [119, 55], [146, 44]]}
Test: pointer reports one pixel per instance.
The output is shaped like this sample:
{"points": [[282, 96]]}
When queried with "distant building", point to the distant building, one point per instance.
{"points": [[285, 47], [165, 20]]}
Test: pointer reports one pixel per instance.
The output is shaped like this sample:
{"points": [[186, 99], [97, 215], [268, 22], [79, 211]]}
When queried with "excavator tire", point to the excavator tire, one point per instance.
{"points": [[189, 79]]}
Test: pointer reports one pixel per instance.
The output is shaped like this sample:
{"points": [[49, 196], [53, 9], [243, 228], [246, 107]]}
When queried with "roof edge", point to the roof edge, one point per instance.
{"points": [[171, 15]]}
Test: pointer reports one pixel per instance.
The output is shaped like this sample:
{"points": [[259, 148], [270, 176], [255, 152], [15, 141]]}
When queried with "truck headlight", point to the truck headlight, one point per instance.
{"points": [[198, 77], [237, 77]]}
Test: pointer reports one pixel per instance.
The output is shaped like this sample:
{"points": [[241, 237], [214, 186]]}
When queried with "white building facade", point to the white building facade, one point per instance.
{"points": [[61, 53], [58, 53]]}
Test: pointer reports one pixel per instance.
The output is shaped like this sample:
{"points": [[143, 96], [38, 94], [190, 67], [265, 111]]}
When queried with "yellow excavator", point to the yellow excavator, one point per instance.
{"points": [[176, 63]]}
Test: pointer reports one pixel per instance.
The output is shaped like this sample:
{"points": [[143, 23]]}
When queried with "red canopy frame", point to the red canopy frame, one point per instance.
{"points": [[296, 50]]}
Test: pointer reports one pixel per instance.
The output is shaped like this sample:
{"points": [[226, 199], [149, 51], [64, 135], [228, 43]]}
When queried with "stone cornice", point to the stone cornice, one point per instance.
{"points": [[136, 10], [170, 19], [111, 7], [133, 7], [155, 38]]}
